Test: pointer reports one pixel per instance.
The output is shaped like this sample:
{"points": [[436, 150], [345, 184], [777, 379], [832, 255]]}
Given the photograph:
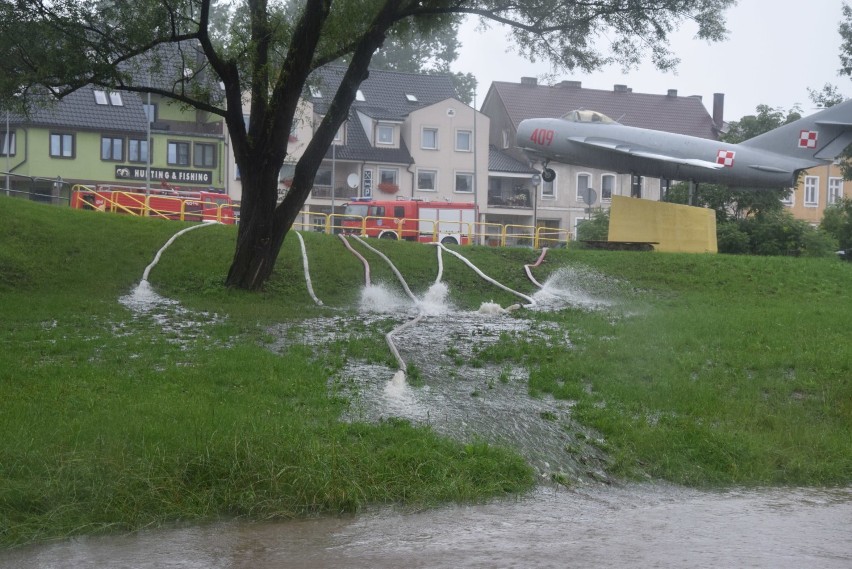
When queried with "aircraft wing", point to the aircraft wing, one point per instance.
{"points": [[619, 146]]}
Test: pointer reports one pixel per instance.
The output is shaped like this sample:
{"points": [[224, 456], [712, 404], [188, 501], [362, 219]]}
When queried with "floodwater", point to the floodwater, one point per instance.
{"points": [[593, 527]]}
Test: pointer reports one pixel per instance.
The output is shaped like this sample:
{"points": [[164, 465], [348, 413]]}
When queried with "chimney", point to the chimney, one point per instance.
{"points": [[571, 84], [719, 110], [620, 89], [529, 81], [672, 93]]}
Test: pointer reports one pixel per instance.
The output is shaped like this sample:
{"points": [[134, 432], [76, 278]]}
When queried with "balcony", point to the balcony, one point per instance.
{"points": [[518, 199], [341, 192]]}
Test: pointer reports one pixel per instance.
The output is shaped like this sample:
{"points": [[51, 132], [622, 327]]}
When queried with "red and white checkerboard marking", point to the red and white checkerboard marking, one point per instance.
{"points": [[807, 139], [725, 158]]}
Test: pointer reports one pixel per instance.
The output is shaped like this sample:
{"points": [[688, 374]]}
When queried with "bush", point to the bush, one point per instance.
{"points": [[596, 228], [731, 239]]}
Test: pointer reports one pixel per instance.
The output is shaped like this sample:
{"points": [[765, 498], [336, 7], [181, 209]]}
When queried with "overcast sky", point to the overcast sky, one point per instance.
{"points": [[775, 50]]}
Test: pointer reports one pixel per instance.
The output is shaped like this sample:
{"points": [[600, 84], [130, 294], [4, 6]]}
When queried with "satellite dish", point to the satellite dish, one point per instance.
{"points": [[352, 181], [589, 196]]}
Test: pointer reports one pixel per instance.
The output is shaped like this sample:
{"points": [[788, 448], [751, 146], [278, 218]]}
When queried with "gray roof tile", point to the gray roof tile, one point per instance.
{"points": [[79, 110], [682, 115]]}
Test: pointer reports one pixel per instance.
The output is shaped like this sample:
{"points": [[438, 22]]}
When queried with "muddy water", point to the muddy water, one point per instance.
{"points": [[638, 526]]}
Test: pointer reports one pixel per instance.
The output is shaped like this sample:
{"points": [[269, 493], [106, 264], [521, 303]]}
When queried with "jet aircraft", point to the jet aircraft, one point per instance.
{"points": [[770, 160]]}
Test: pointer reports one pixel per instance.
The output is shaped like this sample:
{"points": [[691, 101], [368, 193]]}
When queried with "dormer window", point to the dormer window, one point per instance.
{"points": [[359, 95], [315, 92], [107, 98], [384, 134], [411, 98]]}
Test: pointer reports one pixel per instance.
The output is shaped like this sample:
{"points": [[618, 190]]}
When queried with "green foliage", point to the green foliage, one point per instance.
{"points": [[777, 233], [596, 228], [837, 222]]}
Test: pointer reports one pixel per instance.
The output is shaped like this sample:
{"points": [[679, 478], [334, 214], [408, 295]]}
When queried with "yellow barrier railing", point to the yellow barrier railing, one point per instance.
{"points": [[493, 234]]}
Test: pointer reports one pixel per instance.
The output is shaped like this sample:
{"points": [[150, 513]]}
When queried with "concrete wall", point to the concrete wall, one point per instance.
{"points": [[675, 227]]}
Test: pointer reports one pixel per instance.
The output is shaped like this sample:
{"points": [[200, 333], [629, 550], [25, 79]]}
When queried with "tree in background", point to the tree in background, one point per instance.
{"points": [[837, 222], [268, 54]]}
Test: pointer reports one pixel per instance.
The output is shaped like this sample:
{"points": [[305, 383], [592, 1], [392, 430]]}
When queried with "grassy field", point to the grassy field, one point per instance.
{"points": [[713, 370]]}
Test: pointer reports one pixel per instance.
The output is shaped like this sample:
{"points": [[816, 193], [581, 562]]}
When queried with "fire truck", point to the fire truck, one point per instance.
{"points": [[165, 203], [412, 220]]}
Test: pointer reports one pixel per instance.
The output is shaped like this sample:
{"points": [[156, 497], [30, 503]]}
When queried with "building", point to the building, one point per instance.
{"points": [[407, 135], [95, 136], [818, 188], [560, 205]]}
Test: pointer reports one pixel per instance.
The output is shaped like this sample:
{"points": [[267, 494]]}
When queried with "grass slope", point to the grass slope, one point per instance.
{"points": [[710, 370]]}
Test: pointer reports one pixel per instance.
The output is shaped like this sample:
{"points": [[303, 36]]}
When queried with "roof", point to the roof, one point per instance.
{"points": [[78, 110], [385, 92], [670, 113], [499, 161], [389, 96]]}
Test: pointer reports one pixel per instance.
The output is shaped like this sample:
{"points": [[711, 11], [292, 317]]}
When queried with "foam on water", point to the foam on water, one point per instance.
{"points": [[434, 302], [144, 299], [380, 298]]}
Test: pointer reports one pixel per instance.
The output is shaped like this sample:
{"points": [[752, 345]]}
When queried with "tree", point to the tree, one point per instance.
{"points": [[273, 46], [405, 50], [837, 222]]}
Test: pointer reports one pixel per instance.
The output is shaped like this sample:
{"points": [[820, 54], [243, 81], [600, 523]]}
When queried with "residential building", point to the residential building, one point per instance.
{"points": [[560, 205], [95, 136], [407, 135], [817, 189]]}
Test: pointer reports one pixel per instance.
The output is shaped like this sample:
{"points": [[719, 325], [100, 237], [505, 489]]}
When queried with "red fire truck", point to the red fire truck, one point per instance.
{"points": [[412, 220], [165, 203]]}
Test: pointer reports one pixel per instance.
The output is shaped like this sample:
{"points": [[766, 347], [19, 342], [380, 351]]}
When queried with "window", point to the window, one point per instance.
{"points": [[388, 176], [835, 189], [107, 98], [411, 98], [112, 148], [464, 182], [150, 112], [464, 140], [636, 185], [205, 155], [178, 154], [548, 190], [811, 191], [384, 134], [7, 143], [359, 96], [607, 186], [323, 177], [137, 150], [427, 180], [584, 183], [338, 136], [790, 198], [429, 138], [61, 145]]}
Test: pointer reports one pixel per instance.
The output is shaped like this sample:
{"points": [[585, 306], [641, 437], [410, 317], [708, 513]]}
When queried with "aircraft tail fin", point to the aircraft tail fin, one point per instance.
{"points": [[817, 138]]}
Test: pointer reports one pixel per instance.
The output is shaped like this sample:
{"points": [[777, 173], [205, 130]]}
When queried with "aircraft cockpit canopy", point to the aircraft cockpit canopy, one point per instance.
{"points": [[581, 115]]}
